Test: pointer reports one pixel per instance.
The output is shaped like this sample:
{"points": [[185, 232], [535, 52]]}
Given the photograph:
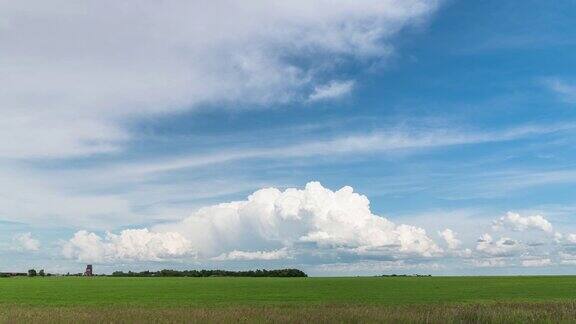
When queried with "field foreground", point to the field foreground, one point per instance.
{"points": [[423, 299], [439, 313]]}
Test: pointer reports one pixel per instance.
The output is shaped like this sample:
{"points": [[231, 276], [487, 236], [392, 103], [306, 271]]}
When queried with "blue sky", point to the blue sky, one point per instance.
{"points": [[135, 145]]}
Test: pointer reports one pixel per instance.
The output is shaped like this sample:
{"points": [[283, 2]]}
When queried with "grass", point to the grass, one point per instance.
{"points": [[65, 291], [441, 313], [411, 299]]}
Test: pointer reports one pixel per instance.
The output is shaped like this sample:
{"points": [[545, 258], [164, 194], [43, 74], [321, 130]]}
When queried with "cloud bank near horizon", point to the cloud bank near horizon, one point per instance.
{"points": [[266, 225], [294, 225]]}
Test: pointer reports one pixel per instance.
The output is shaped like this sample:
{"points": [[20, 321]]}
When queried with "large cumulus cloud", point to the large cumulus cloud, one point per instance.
{"points": [[266, 225], [316, 225], [313, 217]]}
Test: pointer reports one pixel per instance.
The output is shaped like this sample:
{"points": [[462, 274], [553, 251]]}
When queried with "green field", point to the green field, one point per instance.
{"points": [[287, 299]]}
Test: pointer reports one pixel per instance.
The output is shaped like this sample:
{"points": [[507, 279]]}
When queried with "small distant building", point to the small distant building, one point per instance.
{"points": [[88, 272]]}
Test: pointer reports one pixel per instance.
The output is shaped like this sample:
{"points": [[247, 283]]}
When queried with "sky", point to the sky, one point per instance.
{"points": [[338, 137]]}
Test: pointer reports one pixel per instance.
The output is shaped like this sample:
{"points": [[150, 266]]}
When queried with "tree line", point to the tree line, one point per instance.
{"points": [[213, 273], [30, 273], [172, 273]]}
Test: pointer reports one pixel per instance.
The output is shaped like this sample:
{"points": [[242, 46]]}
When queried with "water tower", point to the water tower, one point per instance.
{"points": [[88, 271]]}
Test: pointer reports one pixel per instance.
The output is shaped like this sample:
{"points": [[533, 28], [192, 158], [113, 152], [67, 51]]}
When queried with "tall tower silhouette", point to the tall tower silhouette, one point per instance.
{"points": [[88, 271]]}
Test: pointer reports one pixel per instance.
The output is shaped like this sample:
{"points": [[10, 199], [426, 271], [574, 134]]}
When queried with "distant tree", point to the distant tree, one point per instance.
{"points": [[31, 273], [213, 273], [41, 273]]}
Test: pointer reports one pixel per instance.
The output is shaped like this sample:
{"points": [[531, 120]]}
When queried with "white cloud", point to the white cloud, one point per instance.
{"points": [[269, 220], [316, 223], [571, 238], [502, 247], [536, 262], [465, 253], [68, 85], [26, 242], [376, 267], [489, 262], [567, 258], [129, 245], [101, 196], [254, 255], [94, 199], [333, 90], [558, 237], [314, 216], [519, 223], [450, 237]]}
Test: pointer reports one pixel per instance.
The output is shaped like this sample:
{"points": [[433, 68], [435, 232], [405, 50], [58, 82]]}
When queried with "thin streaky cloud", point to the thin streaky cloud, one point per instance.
{"points": [[566, 91], [368, 143]]}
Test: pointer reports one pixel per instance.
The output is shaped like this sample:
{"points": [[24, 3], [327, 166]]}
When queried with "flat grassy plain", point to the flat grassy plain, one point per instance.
{"points": [[361, 299]]}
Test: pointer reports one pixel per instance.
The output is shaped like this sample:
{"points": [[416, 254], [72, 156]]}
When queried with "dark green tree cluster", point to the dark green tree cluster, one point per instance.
{"points": [[13, 274], [405, 275], [34, 273], [213, 273]]}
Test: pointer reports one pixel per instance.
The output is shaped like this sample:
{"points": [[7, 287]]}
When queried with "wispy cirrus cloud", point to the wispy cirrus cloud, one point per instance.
{"points": [[565, 90], [106, 194], [331, 91], [64, 96], [375, 142]]}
